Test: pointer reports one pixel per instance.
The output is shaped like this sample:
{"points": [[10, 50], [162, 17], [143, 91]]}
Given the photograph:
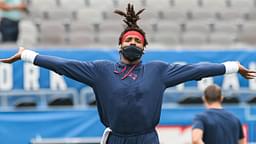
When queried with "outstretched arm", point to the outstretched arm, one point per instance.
{"points": [[84, 72], [176, 73]]}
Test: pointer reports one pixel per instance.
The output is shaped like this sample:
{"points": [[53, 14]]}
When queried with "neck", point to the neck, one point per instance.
{"points": [[215, 105]]}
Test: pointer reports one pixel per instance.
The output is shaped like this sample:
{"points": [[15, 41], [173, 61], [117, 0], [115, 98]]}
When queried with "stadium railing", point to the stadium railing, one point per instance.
{"points": [[42, 97]]}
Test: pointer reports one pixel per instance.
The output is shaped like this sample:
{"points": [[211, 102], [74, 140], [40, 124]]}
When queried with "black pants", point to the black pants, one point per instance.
{"points": [[9, 29]]}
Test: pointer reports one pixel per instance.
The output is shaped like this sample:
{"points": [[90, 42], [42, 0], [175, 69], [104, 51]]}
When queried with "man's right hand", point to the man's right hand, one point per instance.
{"points": [[13, 58]]}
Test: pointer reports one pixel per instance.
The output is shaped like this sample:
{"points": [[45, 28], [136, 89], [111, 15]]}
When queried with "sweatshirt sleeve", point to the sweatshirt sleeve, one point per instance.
{"points": [[177, 73], [84, 72]]}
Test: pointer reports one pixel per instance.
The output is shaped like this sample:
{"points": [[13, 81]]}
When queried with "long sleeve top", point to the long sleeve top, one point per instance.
{"points": [[129, 97]]}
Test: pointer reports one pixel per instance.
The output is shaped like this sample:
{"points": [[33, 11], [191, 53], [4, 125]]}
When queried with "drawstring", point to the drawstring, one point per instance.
{"points": [[117, 72], [123, 70], [130, 70]]}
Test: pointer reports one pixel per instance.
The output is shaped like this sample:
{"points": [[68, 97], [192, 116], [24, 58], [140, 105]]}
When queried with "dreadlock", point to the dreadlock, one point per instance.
{"points": [[130, 20]]}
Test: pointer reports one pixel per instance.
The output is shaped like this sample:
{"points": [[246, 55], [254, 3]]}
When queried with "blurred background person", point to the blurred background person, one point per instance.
{"points": [[216, 125], [11, 15]]}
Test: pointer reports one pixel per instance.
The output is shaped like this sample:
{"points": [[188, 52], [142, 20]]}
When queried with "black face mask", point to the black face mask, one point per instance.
{"points": [[132, 53]]}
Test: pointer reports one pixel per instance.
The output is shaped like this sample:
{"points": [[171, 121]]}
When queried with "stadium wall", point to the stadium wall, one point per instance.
{"points": [[20, 127]]}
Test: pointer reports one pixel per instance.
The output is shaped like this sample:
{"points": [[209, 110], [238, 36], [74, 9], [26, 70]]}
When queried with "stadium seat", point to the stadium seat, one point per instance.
{"points": [[61, 15], [36, 15], [231, 15], [28, 33], [52, 32], [44, 4], [159, 4], [203, 28], [108, 39], [27, 2], [202, 15], [168, 27], [247, 35], [185, 4], [111, 27], [242, 4], [138, 4], [223, 39], [148, 27], [167, 34], [111, 16], [226, 27], [167, 39], [72, 5], [214, 5], [81, 39], [194, 39], [94, 16], [251, 16], [174, 15], [99, 4], [83, 27], [150, 16]]}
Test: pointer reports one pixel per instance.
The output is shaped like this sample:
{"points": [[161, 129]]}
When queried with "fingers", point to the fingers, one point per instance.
{"points": [[249, 75], [251, 71], [248, 71], [5, 60], [13, 58], [252, 74]]}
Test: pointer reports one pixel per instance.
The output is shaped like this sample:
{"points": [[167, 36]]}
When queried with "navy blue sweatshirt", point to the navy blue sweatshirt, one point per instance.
{"points": [[219, 127], [129, 97]]}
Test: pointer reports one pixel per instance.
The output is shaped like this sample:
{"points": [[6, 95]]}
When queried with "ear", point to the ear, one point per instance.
{"points": [[144, 49], [119, 48], [203, 99], [222, 98]]}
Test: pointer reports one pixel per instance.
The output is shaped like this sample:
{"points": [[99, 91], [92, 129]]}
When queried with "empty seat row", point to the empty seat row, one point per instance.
{"points": [[155, 16], [109, 32], [184, 4]]}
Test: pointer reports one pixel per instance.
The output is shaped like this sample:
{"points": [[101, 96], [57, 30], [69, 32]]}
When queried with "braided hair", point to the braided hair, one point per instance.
{"points": [[130, 20]]}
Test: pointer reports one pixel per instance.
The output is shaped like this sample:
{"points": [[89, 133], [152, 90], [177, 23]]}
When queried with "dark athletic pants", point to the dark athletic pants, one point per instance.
{"points": [[147, 138]]}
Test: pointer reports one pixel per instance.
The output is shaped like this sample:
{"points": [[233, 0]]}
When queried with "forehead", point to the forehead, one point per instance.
{"points": [[132, 36]]}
